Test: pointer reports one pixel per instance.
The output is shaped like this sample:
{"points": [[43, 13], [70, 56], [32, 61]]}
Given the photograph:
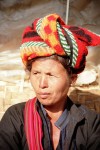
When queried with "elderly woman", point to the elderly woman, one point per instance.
{"points": [[53, 53]]}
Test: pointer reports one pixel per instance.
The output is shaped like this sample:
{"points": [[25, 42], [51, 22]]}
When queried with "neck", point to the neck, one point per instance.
{"points": [[55, 111]]}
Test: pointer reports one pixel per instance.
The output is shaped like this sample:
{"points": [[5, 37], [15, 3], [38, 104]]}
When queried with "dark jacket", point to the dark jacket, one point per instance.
{"points": [[83, 129]]}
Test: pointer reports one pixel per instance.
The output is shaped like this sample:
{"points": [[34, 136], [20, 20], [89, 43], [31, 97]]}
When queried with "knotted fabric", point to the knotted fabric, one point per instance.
{"points": [[50, 35], [33, 125]]}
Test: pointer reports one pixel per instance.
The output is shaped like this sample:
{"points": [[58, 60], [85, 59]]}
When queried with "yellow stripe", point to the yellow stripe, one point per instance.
{"points": [[39, 50]]}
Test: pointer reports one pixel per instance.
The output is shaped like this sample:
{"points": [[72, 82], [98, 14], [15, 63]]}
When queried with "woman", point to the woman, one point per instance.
{"points": [[53, 53]]}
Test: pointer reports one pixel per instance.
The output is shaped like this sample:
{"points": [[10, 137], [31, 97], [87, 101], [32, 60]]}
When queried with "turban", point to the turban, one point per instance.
{"points": [[50, 35]]}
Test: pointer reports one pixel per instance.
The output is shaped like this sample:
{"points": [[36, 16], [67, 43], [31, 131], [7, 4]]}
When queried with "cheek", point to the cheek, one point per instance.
{"points": [[64, 88], [33, 82], [61, 87]]}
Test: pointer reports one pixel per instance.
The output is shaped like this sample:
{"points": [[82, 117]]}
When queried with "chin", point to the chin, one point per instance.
{"points": [[45, 102]]}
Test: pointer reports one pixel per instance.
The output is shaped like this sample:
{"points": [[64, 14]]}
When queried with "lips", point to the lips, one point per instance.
{"points": [[43, 95]]}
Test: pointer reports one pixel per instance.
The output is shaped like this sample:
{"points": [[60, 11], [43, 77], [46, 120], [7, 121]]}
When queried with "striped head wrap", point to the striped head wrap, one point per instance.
{"points": [[50, 35]]}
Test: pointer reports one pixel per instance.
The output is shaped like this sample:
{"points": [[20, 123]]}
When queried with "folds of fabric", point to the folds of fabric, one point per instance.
{"points": [[50, 35], [33, 126]]}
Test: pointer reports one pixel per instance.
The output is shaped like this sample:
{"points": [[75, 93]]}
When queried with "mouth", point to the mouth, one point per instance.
{"points": [[43, 95]]}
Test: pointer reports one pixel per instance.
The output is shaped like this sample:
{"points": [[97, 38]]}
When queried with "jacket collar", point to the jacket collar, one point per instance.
{"points": [[76, 111], [75, 115]]}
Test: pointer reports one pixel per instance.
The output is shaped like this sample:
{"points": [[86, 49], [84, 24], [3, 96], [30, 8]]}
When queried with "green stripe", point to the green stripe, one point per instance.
{"points": [[75, 47], [64, 44], [38, 24], [27, 44]]}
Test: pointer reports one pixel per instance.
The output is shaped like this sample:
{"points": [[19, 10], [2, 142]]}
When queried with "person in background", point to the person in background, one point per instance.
{"points": [[53, 53]]}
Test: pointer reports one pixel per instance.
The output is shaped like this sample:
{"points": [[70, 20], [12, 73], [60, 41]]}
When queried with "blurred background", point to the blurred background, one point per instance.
{"points": [[15, 15]]}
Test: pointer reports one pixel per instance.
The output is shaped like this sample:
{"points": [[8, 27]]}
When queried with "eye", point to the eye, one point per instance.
{"points": [[49, 74], [35, 73], [52, 75]]}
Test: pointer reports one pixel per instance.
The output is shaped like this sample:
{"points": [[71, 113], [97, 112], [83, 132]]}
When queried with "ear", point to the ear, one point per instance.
{"points": [[73, 78], [27, 74]]}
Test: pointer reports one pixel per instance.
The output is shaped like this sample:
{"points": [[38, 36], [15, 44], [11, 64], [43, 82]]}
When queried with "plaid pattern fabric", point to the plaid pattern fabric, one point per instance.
{"points": [[50, 35]]}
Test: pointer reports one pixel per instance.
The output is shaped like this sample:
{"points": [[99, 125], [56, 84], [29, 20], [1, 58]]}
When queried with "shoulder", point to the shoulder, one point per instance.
{"points": [[92, 119], [88, 113], [92, 127], [81, 111], [14, 112], [17, 107], [12, 128]]}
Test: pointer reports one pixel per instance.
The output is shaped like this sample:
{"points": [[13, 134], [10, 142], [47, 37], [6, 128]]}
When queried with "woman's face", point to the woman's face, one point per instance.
{"points": [[50, 81]]}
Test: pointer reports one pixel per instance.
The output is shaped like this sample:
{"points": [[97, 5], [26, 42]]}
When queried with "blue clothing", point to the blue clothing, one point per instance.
{"points": [[61, 123]]}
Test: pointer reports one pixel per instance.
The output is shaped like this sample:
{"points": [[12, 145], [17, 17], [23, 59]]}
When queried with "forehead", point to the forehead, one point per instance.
{"points": [[47, 65]]}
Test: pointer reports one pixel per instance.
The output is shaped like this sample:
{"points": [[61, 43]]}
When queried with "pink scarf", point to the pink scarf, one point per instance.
{"points": [[33, 125]]}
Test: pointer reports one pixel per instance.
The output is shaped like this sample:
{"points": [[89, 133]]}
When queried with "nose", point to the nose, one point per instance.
{"points": [[43, 82]]}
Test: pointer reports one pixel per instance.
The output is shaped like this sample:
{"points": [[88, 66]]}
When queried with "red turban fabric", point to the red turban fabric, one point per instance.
{"points": [[50, 35]]}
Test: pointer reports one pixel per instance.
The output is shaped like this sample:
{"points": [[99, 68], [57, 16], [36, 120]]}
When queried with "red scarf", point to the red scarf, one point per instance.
{"points": [[33, 125]]}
